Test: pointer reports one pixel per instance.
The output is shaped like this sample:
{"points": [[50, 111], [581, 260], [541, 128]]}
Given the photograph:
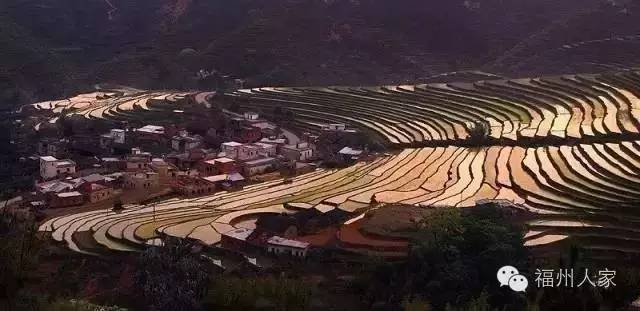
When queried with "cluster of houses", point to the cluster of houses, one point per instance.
{"points": [[255, 148]]}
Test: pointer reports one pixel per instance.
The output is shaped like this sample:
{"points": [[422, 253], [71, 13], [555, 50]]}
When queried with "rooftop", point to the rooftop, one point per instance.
{"points": [[96, 187], [239, 234], [110, 159], [273, 141], [54, 186], [93, 178], [216, 178], [235, 177], [48, 158], [280, 241], [263, 145], [264, 125], [224, 160], [63, 163], [299, 147], [350, 151], [69, 194], [232, 144], [260, 161], [154, 129]]}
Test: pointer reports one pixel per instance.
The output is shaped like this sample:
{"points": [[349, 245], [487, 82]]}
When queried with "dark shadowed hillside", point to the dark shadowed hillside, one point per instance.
{"points": [[51, 48]]}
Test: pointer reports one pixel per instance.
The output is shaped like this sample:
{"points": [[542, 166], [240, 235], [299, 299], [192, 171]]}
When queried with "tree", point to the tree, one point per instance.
{"points": [[117, 204], [453, 259], [19, 254], [268, 293], [171, 277], [479, 132]]}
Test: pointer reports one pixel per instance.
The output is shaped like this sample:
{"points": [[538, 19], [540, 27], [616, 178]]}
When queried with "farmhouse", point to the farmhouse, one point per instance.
{"points": [[258, 166], [298, 152], [237, 239], [281, 246], [115, 136], [66, 199], [51, 167], [192, 186], [137, 162], [97, 192], [141, 180], [111, 164], [53, 147], [54, 186], [183, 143], [266, 150], [216, 166]]}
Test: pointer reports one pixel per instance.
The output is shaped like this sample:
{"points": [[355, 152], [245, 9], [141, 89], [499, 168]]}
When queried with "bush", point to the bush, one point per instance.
{"points": [[171, 278], [80, 305], [249, 294]]}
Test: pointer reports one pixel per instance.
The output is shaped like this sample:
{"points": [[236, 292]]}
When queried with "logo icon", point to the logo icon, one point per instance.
{"points": [[509, 276]]}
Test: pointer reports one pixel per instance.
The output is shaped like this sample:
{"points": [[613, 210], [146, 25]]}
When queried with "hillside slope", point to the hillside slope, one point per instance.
{"points": [[68, 45]]}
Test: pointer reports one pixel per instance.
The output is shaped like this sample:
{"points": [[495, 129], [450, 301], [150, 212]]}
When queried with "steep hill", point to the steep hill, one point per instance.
{"points": [[56, 47]]}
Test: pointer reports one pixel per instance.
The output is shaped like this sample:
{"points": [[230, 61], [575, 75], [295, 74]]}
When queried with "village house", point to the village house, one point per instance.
{"points": [[137, 162], [234, 181], [237, 239], [230, 149], [266, 150], [189, 160], [150, 131], [50, 167], [267, 129], [350, 155], [115, 136], [259, 166], [298, 152], [141, 180], [241, 152], [242, 130], [248, 152], [112, 165], [216, 166], [247, 134], [251, 116], [192, 186], [183, 143], [97, 192], [53, 186], [243, 239], [281, 246], [53, 147], [66, 199], [90, 179], [272, 140], [334, 127]]}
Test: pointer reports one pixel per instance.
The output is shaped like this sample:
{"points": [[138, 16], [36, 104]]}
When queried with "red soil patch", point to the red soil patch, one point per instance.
{"points": [[321, 239], [351, 236]]}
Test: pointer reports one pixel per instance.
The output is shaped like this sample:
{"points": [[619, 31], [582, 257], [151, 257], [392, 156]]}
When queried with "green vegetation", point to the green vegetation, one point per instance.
{"points": [[80, 305], [19, 255], [453, 262], [170, 278], [258, 293]]}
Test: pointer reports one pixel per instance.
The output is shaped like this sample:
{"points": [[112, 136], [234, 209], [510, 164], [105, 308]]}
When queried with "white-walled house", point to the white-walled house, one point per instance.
{"points": [[239, 151], [299, 152], [281, 246], [230, 149], [50, 167]]}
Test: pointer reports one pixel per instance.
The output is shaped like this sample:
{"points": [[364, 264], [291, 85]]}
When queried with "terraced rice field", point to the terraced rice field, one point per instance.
{"points": [[120, 104], [523, 110], [565, 148]]}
